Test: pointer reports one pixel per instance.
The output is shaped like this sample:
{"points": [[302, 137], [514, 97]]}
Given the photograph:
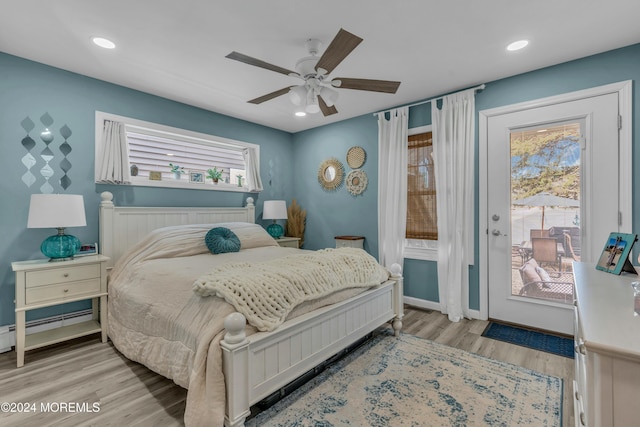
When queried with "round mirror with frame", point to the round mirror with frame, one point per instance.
{"points": [[331, 174]]}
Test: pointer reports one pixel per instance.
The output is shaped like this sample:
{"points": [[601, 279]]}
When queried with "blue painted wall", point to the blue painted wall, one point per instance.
{"points": [[289, 162], [29, 89], [338, 213]]}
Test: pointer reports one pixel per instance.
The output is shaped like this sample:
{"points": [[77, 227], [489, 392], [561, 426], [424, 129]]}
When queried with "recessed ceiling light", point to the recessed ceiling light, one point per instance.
{"points": [[102, 42], [518, 45], [300, 113]]}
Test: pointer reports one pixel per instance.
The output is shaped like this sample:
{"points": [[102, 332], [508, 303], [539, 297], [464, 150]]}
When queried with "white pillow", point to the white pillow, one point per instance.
{"points": [[543, 274]]}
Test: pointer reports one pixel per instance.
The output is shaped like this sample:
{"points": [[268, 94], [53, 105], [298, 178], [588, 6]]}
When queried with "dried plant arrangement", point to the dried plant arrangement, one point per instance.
{"points": [[297, 217]]}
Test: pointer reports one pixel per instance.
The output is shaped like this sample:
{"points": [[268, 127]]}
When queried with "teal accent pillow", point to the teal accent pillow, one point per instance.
{"points": [[221, 240]]}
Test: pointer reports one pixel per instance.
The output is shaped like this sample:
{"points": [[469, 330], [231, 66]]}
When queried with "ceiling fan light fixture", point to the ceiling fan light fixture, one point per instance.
{"points": [[298, 95], [300, 113], [329, 96], [312, 103]]}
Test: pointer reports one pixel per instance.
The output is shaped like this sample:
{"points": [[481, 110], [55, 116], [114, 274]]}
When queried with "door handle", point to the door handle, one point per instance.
{"points": [[497, 232]]}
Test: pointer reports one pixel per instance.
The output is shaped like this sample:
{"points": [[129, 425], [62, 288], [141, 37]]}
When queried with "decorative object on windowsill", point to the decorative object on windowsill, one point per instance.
{"points": [[615, 255], [275, 210], [57, 211], [176, 170], [239, 180], [214, 174], [296, 220], [357, 182], [155, 176], [134, 170], [356, 157], [196, 176], [331, 174]]}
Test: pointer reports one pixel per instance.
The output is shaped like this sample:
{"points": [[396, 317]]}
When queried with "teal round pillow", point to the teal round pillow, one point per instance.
{"points": [[221, 240]]}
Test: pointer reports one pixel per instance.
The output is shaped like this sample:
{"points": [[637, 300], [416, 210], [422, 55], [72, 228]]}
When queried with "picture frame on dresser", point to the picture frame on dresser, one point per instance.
{"points": [[615, 255]]}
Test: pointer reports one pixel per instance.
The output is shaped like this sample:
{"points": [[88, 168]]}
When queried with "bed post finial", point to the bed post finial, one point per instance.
{"points": [[234, 324], [249, 201], [106, 198]]}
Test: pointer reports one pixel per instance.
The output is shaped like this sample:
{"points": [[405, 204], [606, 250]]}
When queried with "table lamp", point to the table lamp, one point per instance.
{"points": [[57, 211], [275, 210]]}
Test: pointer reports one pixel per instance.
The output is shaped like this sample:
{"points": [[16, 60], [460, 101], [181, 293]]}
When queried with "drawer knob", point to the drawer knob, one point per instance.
{"points": [[66, 290], [66, 274]]}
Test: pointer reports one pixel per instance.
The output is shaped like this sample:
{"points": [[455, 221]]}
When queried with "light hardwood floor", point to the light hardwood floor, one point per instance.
{"points": [[88, 371]]}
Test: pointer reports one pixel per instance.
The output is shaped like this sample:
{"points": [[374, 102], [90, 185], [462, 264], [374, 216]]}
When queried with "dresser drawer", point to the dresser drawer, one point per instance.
{"points": [[62, 275], [61, 291]]}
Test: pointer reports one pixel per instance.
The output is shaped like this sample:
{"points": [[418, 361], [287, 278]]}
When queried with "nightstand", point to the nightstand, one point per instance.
{"points": [[40, 283], [350, 242], [289, 242]]}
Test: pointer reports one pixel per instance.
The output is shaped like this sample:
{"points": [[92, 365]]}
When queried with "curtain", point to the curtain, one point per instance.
{"points": [[252, 163], [453, 147], [114, 167], [392, 185]]}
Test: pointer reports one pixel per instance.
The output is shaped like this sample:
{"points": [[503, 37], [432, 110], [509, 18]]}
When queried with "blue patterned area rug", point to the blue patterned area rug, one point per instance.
{"points": [[532, 339], [408, 381]]}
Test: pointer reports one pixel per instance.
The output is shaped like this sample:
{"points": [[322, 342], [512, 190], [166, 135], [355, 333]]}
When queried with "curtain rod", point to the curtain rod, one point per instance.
{"points": [[479, 87]]}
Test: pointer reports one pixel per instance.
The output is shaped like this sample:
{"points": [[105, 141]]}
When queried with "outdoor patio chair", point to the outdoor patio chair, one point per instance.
{"points": [[545, 249], [535, 233], [538, 283]]}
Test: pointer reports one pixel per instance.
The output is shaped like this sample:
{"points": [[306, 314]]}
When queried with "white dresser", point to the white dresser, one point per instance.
{"points": [[607, 336]]}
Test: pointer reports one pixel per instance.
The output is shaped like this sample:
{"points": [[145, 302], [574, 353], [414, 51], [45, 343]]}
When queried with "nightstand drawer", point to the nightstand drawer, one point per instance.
{"points": [[62, 275], [61, 291]]}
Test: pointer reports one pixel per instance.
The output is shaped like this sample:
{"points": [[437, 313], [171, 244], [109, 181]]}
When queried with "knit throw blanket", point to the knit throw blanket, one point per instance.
{"points": [[266, 292]]}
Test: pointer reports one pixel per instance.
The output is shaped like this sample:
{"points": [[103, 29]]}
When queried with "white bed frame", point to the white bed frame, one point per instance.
{"points": [[255, 366]]}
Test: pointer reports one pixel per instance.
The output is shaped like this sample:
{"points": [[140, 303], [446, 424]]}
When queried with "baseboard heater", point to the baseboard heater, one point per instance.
{"points": [[8, 332]]}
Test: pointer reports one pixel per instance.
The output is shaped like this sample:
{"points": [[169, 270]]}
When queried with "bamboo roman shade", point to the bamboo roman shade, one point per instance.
{"points": [[421, 189]]}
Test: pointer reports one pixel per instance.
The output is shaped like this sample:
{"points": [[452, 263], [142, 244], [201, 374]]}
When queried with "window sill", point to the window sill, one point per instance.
{"points": [[184, 184], [425, 254]]}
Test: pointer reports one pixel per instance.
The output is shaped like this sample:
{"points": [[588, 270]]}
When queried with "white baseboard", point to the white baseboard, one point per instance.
{"points": [[435, 306], [8, 334]]}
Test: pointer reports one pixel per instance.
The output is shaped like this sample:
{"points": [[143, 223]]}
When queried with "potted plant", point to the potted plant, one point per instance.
{"points": [[176, 170], [214, 174]]}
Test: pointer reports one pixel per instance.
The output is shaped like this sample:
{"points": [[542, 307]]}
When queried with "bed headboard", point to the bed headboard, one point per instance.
{"points": [[123, 227]]}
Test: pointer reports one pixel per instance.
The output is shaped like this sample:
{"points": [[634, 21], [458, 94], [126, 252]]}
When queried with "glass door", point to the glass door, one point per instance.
{"points": [[545, 210]]}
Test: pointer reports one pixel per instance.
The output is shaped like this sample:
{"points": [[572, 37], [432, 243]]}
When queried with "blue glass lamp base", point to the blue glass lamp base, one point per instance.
{"points": [[275, 230], [60, 247]]}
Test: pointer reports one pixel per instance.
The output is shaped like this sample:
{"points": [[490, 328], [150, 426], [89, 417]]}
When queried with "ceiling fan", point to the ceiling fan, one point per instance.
{"points": [[317, 93]]}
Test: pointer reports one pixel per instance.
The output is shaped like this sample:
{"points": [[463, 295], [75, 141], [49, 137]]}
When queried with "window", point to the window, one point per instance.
{"points": [[153, 147], [422, 225]]}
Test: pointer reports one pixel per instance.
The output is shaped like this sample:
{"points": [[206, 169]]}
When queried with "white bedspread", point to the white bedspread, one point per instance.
{"points": [[157, 320]]}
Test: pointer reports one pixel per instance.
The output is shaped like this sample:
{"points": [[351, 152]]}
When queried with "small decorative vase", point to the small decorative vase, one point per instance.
{"points": [[176, 175], [134, 170], [239, 181]]}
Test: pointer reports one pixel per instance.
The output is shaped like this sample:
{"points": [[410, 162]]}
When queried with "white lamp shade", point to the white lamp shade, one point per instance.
{"points": [[329, 96], [298, 95], [274, 209], [56, 211]]}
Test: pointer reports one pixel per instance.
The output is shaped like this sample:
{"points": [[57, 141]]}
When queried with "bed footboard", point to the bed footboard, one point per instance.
{"points": [[256, 366]]}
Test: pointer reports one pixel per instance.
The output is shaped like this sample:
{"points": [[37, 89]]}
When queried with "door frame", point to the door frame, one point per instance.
{"points": [[625, 167]]}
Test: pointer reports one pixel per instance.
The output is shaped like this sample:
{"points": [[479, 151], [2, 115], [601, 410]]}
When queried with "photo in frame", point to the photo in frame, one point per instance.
{"points": [[196, 176], [615, 255]]}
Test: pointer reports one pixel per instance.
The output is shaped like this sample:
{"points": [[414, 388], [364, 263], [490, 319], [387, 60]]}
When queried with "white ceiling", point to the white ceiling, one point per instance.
{"points": [[176, 48]]}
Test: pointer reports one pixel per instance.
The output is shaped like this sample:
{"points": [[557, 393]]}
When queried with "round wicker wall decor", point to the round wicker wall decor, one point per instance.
{"points": [[356, 157], [357, 182]]}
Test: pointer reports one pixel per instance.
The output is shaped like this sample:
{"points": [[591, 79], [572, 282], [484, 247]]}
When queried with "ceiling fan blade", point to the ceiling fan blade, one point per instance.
{"points": [[341, 46], [326, 110], [259, 63], [269, 96], [385, 86]]}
